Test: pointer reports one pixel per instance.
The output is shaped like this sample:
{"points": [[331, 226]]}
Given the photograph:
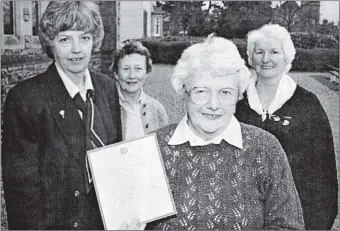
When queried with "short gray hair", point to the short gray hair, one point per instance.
{"points": [[273, 31], [215, 55]]}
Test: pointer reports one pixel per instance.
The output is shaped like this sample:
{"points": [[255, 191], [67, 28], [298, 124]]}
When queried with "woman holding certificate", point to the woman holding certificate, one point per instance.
{"points": [[223, 174]]}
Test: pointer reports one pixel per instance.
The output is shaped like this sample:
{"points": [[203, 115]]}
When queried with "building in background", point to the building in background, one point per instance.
{"points": [[157, 20], [138, 19], [21, 53]]}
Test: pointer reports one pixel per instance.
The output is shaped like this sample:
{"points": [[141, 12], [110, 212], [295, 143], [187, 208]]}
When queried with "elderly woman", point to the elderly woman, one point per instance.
{"points": [[47, 122], [140, 113], [274, 102], [223, 174]]}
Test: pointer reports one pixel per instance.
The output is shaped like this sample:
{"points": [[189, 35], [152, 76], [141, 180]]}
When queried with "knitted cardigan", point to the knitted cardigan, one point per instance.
{"points": [[224, 187], [302, 127], [153, 115]]}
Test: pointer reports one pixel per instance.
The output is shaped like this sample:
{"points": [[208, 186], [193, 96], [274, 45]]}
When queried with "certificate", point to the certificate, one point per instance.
{"points": [[130, 181]]}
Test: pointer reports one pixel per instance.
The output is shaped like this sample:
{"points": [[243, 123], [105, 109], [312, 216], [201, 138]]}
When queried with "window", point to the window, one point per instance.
{"points": [[157, 26], [35, 18], [145, 22], [8, 17]]}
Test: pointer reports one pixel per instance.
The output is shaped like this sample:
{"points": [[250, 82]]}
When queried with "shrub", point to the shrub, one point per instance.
{"points": [[305, 59], [170, 52], [313, 40], [166, 52], [315, 59]]}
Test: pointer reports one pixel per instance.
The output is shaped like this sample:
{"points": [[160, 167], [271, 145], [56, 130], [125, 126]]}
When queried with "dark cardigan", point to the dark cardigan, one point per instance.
{"points": [[302, 127], [224, 187]]}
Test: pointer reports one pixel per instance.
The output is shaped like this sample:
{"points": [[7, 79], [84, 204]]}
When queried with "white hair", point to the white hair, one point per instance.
{"points": [[217, 56], [272, 31]]}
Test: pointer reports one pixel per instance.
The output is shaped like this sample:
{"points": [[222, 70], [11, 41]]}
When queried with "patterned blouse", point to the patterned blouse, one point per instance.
{"points": [[219, 186]]}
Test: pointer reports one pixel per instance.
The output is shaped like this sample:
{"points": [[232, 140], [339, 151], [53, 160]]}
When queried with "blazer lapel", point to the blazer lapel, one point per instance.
{"points": [[65, 112]]}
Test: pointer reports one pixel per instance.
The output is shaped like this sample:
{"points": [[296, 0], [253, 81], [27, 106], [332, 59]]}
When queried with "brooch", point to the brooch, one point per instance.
{"points": [[284, 119], [62, 114]]}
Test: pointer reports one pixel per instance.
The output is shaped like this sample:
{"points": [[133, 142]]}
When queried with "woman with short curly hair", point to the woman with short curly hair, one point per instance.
{"points": [[70, 15], [53, 119], [140, 113], [223, 174]]}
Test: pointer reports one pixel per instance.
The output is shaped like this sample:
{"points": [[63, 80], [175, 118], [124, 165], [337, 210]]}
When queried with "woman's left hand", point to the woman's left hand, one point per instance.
{"points": [[133, 225]]}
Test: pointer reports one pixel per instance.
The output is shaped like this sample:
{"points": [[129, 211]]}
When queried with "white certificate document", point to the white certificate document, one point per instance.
{"points": [[130, 181]]}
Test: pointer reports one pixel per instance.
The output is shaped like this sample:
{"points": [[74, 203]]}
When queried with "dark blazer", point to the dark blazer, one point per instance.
{"points": [[43, 153], [302, 127]]}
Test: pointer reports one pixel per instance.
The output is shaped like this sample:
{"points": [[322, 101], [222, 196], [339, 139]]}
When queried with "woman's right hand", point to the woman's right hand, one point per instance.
{"points": [[134, 225]]}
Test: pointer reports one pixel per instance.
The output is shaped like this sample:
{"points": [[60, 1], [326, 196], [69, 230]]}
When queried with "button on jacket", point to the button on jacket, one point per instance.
{"points": [[152, 113]]}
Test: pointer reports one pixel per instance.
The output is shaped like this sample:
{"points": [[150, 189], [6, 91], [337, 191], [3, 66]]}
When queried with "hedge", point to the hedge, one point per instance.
{"points": [[313, 40], [315, 59], [305, 59]]}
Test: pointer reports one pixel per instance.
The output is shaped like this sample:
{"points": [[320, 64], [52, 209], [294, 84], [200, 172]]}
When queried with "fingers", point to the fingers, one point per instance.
{"points": [[141, 226], [123, 226], [134, 223]]}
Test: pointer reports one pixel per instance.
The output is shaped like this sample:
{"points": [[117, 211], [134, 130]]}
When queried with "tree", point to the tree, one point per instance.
{"points": [[237, 18], [189, 16], [289, 13]]}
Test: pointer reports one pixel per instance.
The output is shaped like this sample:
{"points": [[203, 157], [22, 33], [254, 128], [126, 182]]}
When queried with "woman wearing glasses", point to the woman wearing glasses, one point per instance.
{"points": [[223, 174]]}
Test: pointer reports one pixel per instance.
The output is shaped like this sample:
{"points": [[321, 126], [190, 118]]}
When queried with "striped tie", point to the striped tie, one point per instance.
{"points": [[95, 131]]}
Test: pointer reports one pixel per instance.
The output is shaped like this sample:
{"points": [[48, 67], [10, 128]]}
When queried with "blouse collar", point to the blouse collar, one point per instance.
{"points": [[183, 133], [71, 88], [284, 92]]}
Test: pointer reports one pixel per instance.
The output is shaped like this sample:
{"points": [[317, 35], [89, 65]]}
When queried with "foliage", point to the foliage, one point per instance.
{"points": [[315, 59], [313, 40], [239, 17], [191, 17], [290, 13], [166, 52], [305, 59]]}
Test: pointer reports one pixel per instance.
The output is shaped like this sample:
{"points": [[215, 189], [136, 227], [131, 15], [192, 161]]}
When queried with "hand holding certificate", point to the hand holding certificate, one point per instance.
{"points": [[130, 181]]}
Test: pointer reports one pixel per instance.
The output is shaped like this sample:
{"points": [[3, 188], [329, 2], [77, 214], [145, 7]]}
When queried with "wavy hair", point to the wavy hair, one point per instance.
{"points": [[276, 32], [131, 47], [217, 56], [70, 15]]}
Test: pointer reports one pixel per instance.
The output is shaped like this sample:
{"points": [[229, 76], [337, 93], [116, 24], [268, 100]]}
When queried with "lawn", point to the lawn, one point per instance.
{"points": [[158, 85]]}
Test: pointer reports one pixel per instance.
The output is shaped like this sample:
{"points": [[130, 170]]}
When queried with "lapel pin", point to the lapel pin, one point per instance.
{"points": [[62, 114], [276, 118], [123, 150], [285, 122]]}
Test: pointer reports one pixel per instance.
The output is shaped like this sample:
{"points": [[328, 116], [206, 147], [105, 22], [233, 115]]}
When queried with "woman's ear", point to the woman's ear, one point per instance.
{"points": [[116, 75]]}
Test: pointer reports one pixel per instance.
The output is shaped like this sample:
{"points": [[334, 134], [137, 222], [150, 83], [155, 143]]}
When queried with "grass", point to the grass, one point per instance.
{"points": [[158, 86]]}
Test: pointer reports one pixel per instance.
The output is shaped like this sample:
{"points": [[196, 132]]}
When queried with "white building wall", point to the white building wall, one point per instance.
{"points": [[22, 28], [131, 24]]}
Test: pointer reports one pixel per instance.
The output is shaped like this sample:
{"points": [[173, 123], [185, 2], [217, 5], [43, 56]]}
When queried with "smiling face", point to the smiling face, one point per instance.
{"points": [[72, 51], [132, 73], [269, 58], [211, 119]]}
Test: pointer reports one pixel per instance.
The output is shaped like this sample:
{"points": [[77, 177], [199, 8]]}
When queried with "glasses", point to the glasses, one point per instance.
{"points": [[202, 95]]}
